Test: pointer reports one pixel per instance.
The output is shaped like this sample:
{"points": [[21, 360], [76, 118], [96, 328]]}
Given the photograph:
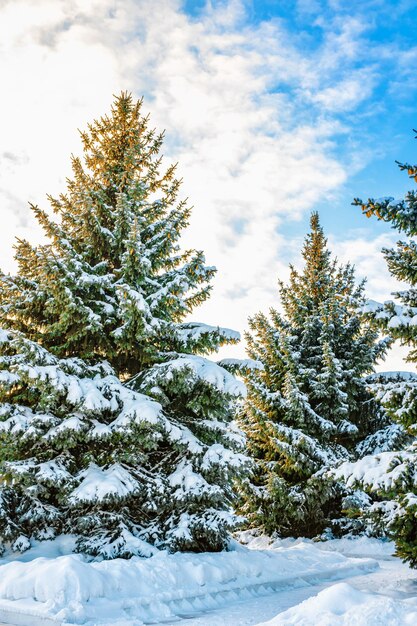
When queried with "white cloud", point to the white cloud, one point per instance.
{"points": [[250, 118], [365, 254]]}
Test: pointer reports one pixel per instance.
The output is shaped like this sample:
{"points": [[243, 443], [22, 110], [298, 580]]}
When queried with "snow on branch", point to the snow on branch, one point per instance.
{"points": [[395, 315], [240, 365], [99, 484], [200, 369], [378, 472], [192, 331]]}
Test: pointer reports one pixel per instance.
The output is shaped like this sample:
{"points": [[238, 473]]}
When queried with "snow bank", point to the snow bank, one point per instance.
{"points": [[342, 605], [360, 546], [71, 590], [352, 546]]}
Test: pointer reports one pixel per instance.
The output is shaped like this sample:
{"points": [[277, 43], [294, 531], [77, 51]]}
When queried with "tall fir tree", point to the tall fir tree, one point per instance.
{"points": [[112, 285], [399, 392], [308, 406]]}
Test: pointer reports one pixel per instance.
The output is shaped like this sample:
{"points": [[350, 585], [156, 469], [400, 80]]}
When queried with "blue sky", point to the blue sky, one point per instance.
{"points": [[272, 109], [380, 124]]}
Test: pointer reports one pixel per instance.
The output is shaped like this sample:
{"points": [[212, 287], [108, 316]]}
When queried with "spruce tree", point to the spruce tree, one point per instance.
{"points": [[112, 285], [308, 406], [399, 393]]}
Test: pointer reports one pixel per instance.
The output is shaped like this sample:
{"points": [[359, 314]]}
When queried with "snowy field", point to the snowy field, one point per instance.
{"points": [[349, 582]]}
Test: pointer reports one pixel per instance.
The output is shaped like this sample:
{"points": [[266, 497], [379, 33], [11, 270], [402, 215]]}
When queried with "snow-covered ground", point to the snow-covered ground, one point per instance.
{"points": [[342, 582], [386, 596]]}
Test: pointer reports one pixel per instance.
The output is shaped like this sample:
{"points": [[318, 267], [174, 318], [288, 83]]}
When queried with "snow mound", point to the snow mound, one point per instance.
{"points": [[360, 546], [343, 605], [350, 545], [68, 589]]}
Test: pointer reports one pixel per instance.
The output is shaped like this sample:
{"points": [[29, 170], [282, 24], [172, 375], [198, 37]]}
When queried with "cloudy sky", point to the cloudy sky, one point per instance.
{"points": [[272, 108]]}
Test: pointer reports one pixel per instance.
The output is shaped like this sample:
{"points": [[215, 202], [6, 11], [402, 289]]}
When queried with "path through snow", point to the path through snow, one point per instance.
{"points": [[393, 579]]}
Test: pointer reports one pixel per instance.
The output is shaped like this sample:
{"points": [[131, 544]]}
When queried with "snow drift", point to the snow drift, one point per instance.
{"points": [[343, 605], [70, 590]]}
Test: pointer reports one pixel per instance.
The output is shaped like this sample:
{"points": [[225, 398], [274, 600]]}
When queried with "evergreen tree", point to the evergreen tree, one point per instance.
{"points": [[399, 393], [308, 406], [112, 285]]}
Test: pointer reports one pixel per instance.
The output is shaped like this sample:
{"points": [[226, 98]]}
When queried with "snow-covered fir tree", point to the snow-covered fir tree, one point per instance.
{"points": [[395, 477], [140, 451], [308, 406]]}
